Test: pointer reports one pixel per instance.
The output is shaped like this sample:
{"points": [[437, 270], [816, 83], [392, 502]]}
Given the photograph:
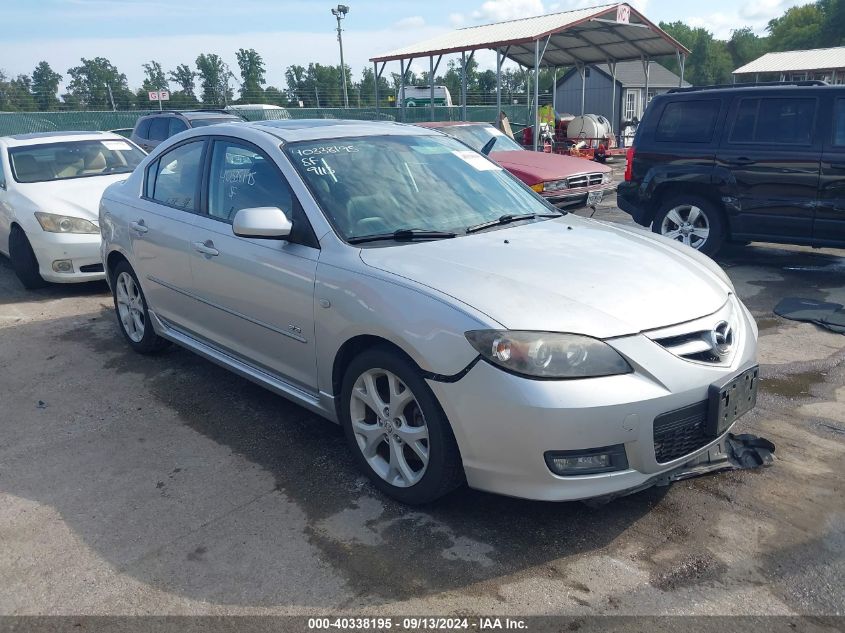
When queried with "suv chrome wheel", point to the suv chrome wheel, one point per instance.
{"points": [[686, 223], [389, 427], [130, 307]]}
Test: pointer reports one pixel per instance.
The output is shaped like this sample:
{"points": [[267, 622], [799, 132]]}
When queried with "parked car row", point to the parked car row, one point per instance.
{"points": [[459, 327]]}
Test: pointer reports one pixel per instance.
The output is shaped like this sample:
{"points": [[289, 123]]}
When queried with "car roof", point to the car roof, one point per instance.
{"points": [[439, 124], [205, 114], [292, 130], [43, 138]]}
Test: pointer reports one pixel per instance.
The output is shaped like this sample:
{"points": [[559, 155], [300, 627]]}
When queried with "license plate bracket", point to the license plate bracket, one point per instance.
{"points": [[594, 198], [730, 399]]}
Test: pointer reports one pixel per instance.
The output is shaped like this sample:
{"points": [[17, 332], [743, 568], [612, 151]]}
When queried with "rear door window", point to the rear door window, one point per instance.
{"points": [[176, 125], [688, 121], [839, 123], [159, 129], [143, 130], [775, 121]]}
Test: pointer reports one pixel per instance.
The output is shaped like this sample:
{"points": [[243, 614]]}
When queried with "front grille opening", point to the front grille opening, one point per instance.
{"points": [[583, 180], [691, 345], [680, 432]]}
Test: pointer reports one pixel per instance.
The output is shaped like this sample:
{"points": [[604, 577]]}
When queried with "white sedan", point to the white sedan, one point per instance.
{"points": [[50, 189]]}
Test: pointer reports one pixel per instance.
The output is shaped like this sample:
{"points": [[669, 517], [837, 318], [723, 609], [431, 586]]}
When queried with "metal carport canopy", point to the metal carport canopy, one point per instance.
{"points": [[593, 35]]}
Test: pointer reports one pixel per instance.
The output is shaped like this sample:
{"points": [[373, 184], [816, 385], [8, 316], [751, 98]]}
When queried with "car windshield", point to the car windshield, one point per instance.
{"points": [[214, 120], [378, 185], [477, 136], [73, 159]]}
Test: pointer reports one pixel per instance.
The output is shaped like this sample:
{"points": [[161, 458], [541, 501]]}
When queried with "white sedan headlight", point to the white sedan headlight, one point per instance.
{"points": [[53, 223], [548, 354]]}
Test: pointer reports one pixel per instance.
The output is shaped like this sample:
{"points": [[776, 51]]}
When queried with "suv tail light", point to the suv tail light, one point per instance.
{"points": [[629, 167]]}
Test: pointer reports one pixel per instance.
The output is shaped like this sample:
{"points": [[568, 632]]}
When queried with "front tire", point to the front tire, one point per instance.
{"points": [[396, 429], [23, 259], [133, 317], [691, 220]]}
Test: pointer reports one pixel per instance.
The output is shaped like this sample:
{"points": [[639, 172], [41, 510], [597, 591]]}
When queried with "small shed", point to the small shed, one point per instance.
{"points": [[630, 92], [827, 64]]}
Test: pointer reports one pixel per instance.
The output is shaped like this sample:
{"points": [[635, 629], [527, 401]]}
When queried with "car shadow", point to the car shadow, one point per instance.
{"points": [[146, 487]]}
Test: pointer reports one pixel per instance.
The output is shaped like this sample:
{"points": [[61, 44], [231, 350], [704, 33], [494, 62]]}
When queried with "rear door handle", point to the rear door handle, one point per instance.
{"points": [[837, 165], [206, 248], [139, 227]]}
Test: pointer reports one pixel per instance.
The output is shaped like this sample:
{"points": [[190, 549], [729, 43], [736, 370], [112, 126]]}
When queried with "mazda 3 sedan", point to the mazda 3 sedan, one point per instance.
{"points": [[457, 326]]}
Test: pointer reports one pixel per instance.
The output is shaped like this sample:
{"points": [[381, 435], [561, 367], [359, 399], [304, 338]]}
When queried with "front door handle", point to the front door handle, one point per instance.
{"points": [[837, 165], [139, 227], [206, 248]]}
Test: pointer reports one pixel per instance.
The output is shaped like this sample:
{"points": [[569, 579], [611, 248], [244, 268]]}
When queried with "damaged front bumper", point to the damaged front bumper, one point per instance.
{"points": [[732, 452]]}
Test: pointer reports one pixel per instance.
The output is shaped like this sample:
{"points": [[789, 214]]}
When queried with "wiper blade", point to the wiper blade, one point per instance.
{"points": [[507, 219], [402, 235]]}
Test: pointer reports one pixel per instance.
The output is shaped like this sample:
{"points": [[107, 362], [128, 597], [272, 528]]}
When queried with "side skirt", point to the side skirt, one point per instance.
{"points": [[322, 404]]}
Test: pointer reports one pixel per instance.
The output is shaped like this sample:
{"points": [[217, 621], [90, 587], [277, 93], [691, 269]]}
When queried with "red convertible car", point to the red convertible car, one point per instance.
{"points": [[564, 181]]}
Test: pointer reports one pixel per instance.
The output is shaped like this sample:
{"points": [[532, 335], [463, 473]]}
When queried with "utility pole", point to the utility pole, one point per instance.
{"points": [[340, 13], [111, 98]]}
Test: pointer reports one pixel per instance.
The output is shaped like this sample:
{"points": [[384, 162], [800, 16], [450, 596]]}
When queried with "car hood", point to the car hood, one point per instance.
{"points": [[543, 167], [77, 197], [568, 274]]}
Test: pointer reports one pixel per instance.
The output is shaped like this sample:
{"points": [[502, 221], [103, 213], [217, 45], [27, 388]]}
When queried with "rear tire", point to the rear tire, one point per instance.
{"points": [[23, 259], [406, 448], [133, 317], [691, 220]]}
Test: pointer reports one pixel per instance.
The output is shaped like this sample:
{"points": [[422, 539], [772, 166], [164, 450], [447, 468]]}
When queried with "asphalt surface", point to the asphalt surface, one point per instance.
{"points": [[166, 485]]}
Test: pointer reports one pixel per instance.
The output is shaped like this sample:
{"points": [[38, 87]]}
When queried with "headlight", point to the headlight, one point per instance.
{"points": [[607, 178], [548, 354], [53, 223], [555, 185]]}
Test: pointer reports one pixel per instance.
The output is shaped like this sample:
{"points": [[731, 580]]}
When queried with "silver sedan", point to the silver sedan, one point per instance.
{"points": [[457, 326]]}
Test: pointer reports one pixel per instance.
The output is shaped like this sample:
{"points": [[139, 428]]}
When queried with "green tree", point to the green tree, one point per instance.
{"points": [[90, 84], [184, 77], [745, 46], [833, 28], [252, 75], [798, 28], [154, 77], [274, 96], [214, 78], [709, 62], [45, 87], [367, 88], [16, 94]]}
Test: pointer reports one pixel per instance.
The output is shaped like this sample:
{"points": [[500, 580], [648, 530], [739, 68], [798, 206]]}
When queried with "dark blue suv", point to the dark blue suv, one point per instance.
{"points": [[762, 162]]}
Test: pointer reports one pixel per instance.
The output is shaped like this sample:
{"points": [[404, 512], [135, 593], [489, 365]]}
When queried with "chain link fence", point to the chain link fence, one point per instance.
{"points": [[28, 122]]}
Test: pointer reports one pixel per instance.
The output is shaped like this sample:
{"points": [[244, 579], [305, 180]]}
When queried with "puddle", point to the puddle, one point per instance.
{"points": [[793, 385]]}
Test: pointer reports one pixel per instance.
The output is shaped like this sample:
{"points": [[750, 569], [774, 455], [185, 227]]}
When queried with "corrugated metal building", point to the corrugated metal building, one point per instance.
{"points": [[630, 90], [827, 64]]}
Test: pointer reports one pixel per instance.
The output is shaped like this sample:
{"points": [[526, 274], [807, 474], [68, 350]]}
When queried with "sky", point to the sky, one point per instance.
{"points": [[285, 32]]}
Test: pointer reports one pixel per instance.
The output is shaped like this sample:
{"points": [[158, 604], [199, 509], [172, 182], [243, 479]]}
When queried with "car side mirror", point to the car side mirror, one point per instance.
{"points": [[262, 222]]}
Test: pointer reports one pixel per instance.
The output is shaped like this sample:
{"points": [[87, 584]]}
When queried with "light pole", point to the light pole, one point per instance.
{"points": [[340, 13]]}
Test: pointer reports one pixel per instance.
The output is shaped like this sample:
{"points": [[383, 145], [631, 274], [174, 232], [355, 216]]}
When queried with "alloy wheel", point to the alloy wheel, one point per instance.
{"points": [[686, 223], [389, 427], [130, 306]]}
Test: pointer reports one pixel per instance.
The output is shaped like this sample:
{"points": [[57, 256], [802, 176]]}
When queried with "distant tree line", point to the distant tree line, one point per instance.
{"points": [[96, 84]]}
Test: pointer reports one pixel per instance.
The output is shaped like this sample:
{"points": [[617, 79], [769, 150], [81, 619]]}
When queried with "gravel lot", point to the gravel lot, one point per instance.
{"points": [[166, 485]]}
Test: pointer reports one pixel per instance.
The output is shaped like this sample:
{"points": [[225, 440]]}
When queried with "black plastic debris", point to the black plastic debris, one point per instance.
{"points": [[824, 313], [733, 452]]}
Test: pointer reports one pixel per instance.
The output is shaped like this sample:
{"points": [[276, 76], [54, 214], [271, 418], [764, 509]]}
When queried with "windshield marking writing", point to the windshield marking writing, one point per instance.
{"points": [[327, 149]]}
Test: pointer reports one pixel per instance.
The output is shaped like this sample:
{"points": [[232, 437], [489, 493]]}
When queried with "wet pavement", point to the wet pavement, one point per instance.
{"points": [[138, 485]]}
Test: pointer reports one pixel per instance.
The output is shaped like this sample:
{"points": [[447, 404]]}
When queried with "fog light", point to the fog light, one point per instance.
{"points": [[588, 461], [63, 266]]}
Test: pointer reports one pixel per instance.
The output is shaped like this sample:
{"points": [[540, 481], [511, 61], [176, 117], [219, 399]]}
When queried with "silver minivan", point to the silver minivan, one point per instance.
{"points": [[459, 327]]}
